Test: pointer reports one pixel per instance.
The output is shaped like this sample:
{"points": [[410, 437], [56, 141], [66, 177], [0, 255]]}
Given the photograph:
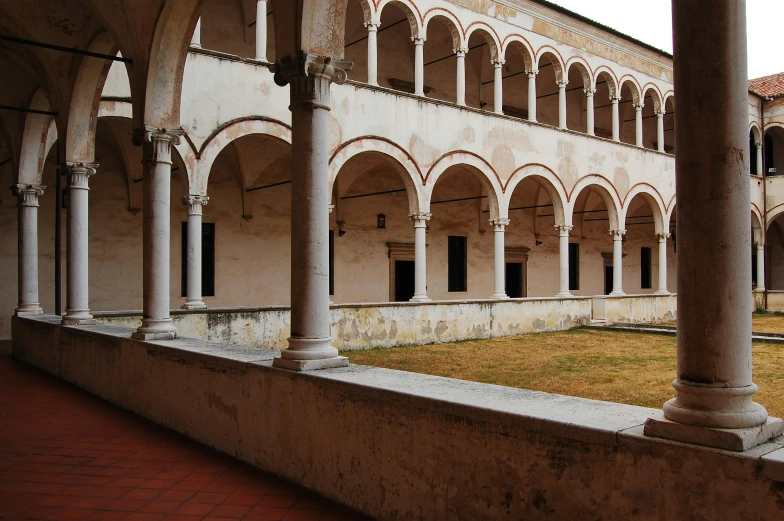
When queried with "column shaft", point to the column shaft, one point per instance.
{"points": [[419, 66], [589, 111], [532, 96], [617, 262], [27, 201], [78, 308], [196, 38], [261, 30], [562, 104], [420, 256], [499, 226], [563, 258], [616, 124], [663, 263], [498, 86], [638, 124], [460, 53], [195, 204], [760, 266], [660, 131], [372, 52], [758, 146]]}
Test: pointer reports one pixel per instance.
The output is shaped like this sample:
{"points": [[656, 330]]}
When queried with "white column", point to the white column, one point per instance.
{"points": [[760, 266], [660, 130], [616, 124], [562, 103], [195, 204], [532, 95], [498, 86], [310, 344], [419, 65], [589, 125], [196, 38], [758, 146], [563, 258], [460, 87], [261, 30], [372, 52], [156, 320], [617, 236], [27, 202], [638, 123], [499, 226], [663, 264], [420, 256], [77, 310]]}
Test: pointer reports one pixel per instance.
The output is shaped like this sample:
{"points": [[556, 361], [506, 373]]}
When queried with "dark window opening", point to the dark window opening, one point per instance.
{"points": [[574, 266], [332, 262], [514, 280], [207, 260], [458, 263], [608, 280], [404, 280], [754, 269], [752, 154], [645, 268], [769, 163]]}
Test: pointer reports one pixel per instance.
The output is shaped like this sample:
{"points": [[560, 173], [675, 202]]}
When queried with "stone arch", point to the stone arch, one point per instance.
{"points": [[773, 214], [85, 102], [655, 96], [407, 168], [449, 20], [654, 200], [754, 129], [669, 97], [515, 40], [547, 179], [409, 9], [605, 189], [369, 10], [756, 225], [609, 76], [39, 134], [555, 58], [490, 36], [173, 30], [478, 166], [634, 86], [200, 163], [583, 68]]}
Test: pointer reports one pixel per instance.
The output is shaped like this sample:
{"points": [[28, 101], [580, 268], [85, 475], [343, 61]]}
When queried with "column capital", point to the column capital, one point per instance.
{"points": [[663, 236], [638, 106], [759, 244], [615, 99], [310, 77], [498, 62], [499, 224], [195, 203], [27, 195], [617, 234], [418, 40], [659, 113], [372, 25], [420, 219], [562, 84], [79, 174], [331, 207], [589, 92], [460, 51], [532, 72], [758, 144], [564, 229]]}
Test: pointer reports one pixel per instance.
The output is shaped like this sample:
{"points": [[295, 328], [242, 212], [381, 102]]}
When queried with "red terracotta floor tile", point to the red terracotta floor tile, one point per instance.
{"points": [[65, 454]]}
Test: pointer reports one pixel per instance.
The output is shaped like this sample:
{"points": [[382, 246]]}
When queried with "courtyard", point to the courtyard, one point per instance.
{"points": [[630, 368]]}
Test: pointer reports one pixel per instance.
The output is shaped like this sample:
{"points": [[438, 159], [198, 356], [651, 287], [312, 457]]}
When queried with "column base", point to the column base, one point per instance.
{"points": [[462, 104], [161, 329], [28, 310], [373, 84], [310, 365], [564, 294], [618, 293], [662, 292], [77, 317], [736, 440], [194, 304], [419, 298], [500, 296]]}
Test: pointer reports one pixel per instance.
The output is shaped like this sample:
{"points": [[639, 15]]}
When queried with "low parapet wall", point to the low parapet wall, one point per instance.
{"points": [[635, 309], [404, 446]]}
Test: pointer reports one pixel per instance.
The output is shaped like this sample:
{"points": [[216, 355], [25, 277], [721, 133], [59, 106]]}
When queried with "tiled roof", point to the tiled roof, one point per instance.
{"points": [[768, 86]]}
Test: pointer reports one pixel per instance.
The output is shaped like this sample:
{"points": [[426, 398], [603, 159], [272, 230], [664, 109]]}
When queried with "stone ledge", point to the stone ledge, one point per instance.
{"points": [[737, 440]]}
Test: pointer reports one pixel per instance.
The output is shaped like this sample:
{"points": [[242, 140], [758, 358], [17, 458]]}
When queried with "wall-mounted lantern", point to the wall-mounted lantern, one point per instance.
{"points": [[381, 221]]}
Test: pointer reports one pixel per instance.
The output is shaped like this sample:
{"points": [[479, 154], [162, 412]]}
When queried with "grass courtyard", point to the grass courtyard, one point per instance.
{"points": [[760, 322], [619, 367]]}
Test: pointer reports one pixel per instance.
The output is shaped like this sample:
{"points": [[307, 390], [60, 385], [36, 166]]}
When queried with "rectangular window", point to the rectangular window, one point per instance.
{"points": [[332, 262], [458, 263], [574, 266], [207, 259], [645, 268]]}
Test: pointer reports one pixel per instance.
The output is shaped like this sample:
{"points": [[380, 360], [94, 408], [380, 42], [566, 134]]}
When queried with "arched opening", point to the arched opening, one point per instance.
{"points": [[774, 242], [461, 248], [532, 239], [547, 89], [395, 48], [603, 112], [669, 125], [480, 70], [515, 80], [356, 41], [579, 80], [755, 166], [650, 119], [591, 220], [641, 266], [774, 151], [627, 113], [229, 26], [371, 235], [440, 60]]}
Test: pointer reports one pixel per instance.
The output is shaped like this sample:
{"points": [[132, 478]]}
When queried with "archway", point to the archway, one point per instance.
{"points": [[630, 96], [440, 60], [550, 72], [395, 47], [519, 62], [606, 90], [774, 151], [480, 72], [579, 78], [644, 222]]}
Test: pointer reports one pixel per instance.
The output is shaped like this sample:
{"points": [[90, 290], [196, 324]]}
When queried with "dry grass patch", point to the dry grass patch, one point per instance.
{"points": [[760, 323], [630, 368]]}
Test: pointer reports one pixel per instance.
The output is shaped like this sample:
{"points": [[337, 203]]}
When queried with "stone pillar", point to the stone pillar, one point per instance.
{"points": [[27, 202], [563, 243], [714, 376], [372, 52], [758, 146], [195, 204], [616, 124], [310, 344], [420, 256], [261, 30], [760, 266], [156, 319], [660, 130], [499, 226], [498, 86], [589, 111], [562, 103], [419, 65], [460, 87], [196, 38], [532, 95], [617, 236], [662, 263], [638, 123], [77, 310]]}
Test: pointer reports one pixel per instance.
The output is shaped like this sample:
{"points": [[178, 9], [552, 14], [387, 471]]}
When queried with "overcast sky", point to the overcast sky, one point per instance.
{"points": [[650, 21]]}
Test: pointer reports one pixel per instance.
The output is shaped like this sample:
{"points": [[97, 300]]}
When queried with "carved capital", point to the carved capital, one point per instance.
{"points": [[663, 236], [195, 203], [562, 84], [659, 113], [460, 51], [617, 234], [589, 92], [310, 77], [531, 73], [615, 99], [759, 245], [27, 195], [499, 224], [758, 144], [420, 219], [157, 142], [79, 175], [331, 207], [418, 40], [498, 62], [372, 25], [564, 229], [638, 106]]}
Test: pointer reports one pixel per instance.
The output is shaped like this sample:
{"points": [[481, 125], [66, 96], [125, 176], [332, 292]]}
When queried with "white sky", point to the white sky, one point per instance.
{"points": [[650, 22]]}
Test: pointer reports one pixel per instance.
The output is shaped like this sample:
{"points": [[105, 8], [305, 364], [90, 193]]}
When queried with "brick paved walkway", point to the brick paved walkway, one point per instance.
{"points": [[67, 455]]}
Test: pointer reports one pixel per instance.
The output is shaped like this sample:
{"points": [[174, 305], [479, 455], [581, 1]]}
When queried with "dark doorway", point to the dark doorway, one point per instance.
{"points": [[608, 280], [514, 279], [404, 280]]}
